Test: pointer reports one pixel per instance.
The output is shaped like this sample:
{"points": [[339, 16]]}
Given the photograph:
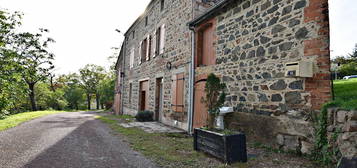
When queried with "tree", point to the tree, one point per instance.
{"points": [[10, 81], [36, 61], [73, 92], [348, 69], [90, 76], [354, 53], [214, 98], [106, 90]]}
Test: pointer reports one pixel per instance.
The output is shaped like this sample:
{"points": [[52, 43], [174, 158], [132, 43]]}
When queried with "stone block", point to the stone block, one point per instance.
{"points": [[306, 147], [353, 115], [341, 116], [351, 126]]}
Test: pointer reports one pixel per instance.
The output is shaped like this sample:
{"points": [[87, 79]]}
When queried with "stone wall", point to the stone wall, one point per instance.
{"points": [[177, 52], [255, 40], [345, 124]]}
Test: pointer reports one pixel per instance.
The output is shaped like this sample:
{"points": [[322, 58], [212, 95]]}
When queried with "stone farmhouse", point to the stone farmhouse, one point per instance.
{"points": [[272, 54]]}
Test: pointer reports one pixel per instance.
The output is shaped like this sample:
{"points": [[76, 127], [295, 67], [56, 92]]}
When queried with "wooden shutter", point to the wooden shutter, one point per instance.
{"points": [[154, 45], [173, 94], [148, 41], [162, 39], [178, 92], [140, 52]]}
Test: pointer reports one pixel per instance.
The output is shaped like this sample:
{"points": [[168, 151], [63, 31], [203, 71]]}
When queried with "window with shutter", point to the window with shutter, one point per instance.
{"points": [[158, 43], [205, 48], [132, 57], [162, 39], [144, 50], [140, 52], [154, 45], [178, 92], [148, 48]]}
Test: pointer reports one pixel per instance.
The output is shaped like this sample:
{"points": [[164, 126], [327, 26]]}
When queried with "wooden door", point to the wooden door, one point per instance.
{"points": [[200, 113]]}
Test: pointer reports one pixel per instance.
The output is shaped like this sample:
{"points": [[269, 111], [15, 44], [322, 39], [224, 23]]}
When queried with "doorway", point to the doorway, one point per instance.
{"points": [[143, 97], [158, 99], [200, 113]]}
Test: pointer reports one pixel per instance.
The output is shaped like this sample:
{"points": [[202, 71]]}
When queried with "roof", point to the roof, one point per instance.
{"points": [[212, 12]]}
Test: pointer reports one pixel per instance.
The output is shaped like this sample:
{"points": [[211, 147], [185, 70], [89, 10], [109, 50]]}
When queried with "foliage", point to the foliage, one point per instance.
{"points": [[48, 99], [325, 149], [354, 52], [10, 81], [348, 69], [90, 76], [214, 98], [106, 90], [73, 92], [145, 116]]}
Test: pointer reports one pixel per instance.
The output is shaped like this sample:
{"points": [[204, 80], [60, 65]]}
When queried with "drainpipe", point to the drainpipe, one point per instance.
{"points": [[192, 75], [191, 84]]}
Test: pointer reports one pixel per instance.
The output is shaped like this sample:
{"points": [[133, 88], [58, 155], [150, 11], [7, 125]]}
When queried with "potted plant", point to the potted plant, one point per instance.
{"points": [[226, 145]]}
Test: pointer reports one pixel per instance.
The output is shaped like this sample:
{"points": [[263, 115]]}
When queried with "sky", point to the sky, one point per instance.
{"points": [[84, 30]]}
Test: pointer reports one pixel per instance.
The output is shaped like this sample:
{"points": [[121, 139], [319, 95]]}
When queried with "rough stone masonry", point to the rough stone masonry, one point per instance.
{"points": [[255, 39]]}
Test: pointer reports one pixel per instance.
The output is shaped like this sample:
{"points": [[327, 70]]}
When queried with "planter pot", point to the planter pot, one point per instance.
{"points": [[228, 148]]}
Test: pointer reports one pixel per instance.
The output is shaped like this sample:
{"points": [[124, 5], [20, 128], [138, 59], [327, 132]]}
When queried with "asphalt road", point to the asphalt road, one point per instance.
{"points": [[66, 140]]}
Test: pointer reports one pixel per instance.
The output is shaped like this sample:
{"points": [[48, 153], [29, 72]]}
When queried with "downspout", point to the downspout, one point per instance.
{"points": [[192, 75]]}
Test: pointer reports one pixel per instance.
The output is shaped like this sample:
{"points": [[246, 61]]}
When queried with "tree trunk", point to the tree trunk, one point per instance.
{"points": [[52, 85], [32, 96], [88, 101], [97, 96], [102, 105]]}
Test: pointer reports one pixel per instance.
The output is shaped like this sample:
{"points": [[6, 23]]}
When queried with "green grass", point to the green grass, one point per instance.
{"points": [[14, 120], [346, 94], [165, 149], [176, 150]]}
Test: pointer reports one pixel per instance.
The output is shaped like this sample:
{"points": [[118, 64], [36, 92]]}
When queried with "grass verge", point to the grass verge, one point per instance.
{"points": [[14, 120], [176, 150], [346, 94], [165, 149]]}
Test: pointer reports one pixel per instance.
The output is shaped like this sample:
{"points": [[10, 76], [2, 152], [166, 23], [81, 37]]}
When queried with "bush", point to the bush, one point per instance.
{"points": [[145, 116]]}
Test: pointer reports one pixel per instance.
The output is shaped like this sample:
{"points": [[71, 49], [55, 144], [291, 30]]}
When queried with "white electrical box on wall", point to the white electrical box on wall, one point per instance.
{"points": [[299, 69]]}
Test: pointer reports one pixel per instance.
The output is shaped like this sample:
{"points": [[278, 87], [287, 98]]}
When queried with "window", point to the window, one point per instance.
{"points": [[160, 39], [178, 83], [162, 5], [143, 50], [146, 20], [133, 34], [149, 48], [205, 48], [157, 42], [130, 92], [132, 57]]}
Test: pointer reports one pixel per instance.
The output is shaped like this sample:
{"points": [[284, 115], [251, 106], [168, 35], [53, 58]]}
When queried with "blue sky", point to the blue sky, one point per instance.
{"points": [[84, 29]]}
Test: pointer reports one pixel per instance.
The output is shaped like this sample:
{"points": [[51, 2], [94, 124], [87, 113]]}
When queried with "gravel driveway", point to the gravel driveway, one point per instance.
{"points": [[66, 140]]}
